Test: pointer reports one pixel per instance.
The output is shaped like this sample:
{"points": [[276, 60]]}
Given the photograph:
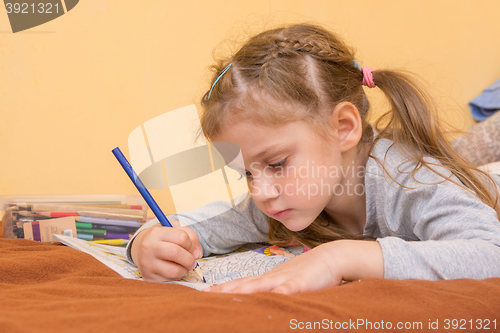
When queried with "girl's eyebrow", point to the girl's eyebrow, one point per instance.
{"points": [[270, 150]]}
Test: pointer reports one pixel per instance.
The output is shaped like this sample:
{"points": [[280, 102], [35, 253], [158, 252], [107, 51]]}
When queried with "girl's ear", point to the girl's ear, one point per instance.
{"points": [[347, 123]]}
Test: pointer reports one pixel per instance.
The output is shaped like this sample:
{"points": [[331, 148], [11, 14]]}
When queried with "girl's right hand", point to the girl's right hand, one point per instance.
{"points": [[166, 254]]}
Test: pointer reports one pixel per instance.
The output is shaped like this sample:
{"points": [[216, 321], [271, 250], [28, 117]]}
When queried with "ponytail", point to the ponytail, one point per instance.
{"points": [[412, 121]]}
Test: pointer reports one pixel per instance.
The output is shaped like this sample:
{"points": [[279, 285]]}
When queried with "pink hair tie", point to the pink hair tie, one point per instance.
{"points": [[368, 77]]}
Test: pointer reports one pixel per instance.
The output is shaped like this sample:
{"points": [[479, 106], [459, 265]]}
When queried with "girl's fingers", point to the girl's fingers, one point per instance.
{"points": [[256, 285], [168, 244], [169, 271], [228, 286], [165, 272], [173, 235], [195, 249], [248, 285], [184, 237], [288, 288], [173, 253], [167, 253]]}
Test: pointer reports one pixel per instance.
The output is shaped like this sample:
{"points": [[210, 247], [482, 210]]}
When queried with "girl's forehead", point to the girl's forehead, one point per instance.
{"points": [[253, 138], [259, 107], [250, 131]]}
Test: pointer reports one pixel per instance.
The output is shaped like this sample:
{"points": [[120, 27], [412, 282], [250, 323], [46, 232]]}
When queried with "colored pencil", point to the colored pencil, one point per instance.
{"points": [[88, 236], [111, 241], [104, 215], [94, 204], [57, 214], [84, 213], [116, 228], [110, 228], [107, 221], [25, 213], [147, 196], [83, 225], [84, 236], [101, 232], [112, 235], [42, 207]]}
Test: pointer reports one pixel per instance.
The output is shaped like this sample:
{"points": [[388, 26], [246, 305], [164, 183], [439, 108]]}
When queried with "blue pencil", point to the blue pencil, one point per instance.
{"points": [[146, 195]]}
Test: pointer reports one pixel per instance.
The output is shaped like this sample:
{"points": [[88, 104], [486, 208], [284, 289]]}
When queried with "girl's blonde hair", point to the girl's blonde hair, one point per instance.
{"points": [[301, 72]]}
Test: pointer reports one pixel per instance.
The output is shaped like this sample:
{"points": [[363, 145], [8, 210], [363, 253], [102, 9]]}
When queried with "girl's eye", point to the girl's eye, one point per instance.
{"points": [[279, 164], [247, 174]]}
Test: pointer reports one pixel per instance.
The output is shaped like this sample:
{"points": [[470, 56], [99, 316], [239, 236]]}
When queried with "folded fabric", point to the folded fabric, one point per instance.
{"points": [[487, 103], [481, 144]]}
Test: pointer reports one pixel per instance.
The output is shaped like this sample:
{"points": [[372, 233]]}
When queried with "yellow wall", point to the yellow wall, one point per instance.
{"points": [[74, 88]]}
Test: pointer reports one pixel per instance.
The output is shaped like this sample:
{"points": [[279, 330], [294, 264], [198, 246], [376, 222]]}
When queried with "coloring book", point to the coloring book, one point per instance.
{"points": [[250, 260]]}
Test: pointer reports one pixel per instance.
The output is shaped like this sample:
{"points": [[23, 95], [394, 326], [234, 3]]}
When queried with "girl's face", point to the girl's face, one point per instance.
{"points": [[292, 174]]}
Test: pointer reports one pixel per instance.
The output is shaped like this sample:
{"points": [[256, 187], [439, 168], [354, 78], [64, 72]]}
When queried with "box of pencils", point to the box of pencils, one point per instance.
{"points": [[107, 219]]}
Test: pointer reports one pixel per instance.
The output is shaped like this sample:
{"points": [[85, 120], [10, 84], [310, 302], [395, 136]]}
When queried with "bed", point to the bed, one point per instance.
{"points": [[48, 287]]}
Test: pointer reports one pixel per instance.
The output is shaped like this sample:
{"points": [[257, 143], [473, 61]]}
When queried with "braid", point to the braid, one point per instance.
{"points": [[302, 64], [321, 50]]}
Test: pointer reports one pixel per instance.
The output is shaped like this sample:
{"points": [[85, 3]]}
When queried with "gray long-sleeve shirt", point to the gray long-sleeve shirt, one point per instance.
{"points": [[435, 230]]}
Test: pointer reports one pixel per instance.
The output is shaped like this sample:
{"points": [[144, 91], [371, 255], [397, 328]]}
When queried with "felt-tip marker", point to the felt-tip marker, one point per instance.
{"points": [[147, 196]]}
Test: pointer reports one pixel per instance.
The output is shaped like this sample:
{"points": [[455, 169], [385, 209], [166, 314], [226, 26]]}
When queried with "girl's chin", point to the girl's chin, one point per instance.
{"points": [[295, 225]]}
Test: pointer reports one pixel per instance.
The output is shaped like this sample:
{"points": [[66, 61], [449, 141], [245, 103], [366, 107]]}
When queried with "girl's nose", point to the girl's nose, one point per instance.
{"points": [[264, 189]]}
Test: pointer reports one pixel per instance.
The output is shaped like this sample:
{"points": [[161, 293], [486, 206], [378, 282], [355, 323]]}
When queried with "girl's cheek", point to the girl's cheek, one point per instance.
{"points": [[294, 187]]}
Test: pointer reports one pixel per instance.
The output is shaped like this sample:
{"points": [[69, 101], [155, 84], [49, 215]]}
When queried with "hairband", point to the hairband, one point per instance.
{"points": [[367, 75], [218, 77]]}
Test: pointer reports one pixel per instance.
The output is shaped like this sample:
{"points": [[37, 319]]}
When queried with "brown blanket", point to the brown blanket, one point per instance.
{"points": [[53, 288]]}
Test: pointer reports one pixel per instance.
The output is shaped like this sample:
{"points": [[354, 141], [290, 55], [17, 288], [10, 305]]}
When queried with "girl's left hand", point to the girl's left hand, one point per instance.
{"points": [[315, 269]]}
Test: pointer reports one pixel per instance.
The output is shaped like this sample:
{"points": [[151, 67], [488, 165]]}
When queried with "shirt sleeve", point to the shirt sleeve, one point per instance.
{"points": [[221, 228], [451, 234]]}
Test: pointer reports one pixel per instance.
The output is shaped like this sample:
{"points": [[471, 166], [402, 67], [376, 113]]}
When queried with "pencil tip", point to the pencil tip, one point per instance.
{"points": [[198, 271]]}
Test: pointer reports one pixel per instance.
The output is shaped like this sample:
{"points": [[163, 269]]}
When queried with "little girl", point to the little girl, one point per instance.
{"points": [[390, 201]]}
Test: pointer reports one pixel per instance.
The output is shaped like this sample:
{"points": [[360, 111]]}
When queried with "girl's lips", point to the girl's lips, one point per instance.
{"points": [[282, 214]]}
